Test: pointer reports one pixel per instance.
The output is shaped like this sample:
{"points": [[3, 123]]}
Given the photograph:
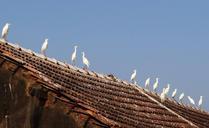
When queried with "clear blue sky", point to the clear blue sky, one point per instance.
{"points": [[160, 38]]}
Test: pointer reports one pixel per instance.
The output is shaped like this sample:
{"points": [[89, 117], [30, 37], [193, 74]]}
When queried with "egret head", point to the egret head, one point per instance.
{"points": [[134, 70], [8, 24], [83, 53], [75, 46], [201, 97], [46, 39]]}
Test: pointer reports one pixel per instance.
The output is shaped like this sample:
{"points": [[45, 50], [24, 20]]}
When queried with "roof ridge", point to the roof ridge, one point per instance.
{"points": [[66, 65]]}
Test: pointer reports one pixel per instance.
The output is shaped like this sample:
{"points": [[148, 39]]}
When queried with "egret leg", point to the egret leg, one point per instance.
{"points": [[74, 63]]}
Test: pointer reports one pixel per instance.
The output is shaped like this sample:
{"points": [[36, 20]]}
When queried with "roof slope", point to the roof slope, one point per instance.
{"points": [[115, 102], [198, 117]]}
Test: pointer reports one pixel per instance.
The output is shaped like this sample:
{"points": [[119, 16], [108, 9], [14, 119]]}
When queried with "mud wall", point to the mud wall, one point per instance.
{"points": [[25, 107]]}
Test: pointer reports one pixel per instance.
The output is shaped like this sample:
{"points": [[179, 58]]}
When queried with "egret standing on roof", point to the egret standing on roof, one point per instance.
{"points": [[73, 57], [155, 85], [181, 97], [5, 31], [133, 77], [147, 83], [162, 95], [85, 61], [44, 47], [191, 100], [174, 93], [167, 89], [200, 102]]}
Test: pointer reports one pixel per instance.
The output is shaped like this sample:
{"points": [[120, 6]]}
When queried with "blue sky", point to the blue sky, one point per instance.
{"points": [[160, 38]]}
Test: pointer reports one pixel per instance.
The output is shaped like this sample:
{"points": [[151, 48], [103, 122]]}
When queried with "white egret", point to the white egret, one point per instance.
{"points": [[133, 77], [181, 97], [85, 61], [191, 100], [73, 57], [167, 89], [5, 31], [155, 85], [174, 93], [44, 47], [147, 83], [200, 102], [163, 95]]}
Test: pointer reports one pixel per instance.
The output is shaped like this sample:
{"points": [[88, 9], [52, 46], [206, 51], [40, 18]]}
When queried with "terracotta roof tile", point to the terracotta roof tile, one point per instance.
{"points": [[115, 100], [197, 116]]}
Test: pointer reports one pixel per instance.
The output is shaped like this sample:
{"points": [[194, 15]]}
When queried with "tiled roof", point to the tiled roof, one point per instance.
{"points": [[115, 102], [195, 115]]}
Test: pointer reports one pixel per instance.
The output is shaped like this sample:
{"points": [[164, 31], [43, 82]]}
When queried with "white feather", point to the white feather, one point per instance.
{"points": [[133, 76], [200, 101], [44, 47], [167, 89], [191, 100], [5, 31], [174, 93], [163, 95], [85, 60], [155, 85], [73, 57], [181, 96], [147, 83]]}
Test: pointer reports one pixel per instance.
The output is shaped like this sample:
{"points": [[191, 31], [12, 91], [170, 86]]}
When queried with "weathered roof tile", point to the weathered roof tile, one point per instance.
{"points": [[122, 103]]}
